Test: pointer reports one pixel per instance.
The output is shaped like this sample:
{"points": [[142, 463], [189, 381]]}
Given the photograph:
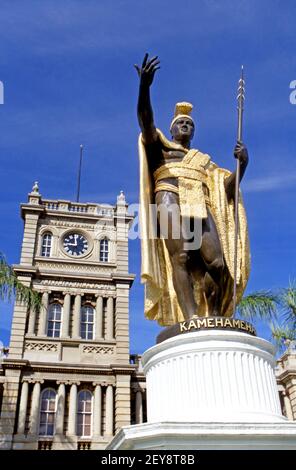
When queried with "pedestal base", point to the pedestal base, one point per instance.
{"points": [[206, 436], [210, 390], [211, 376]]}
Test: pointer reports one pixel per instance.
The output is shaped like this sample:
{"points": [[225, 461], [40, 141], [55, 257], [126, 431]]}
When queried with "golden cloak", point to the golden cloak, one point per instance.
{"points": [[161, 302]]}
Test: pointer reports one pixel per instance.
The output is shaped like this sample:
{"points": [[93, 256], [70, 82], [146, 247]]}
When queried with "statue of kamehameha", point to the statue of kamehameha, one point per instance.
{"points": [[191, 274]]}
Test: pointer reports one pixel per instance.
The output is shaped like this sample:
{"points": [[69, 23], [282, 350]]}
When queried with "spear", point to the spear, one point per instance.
{"points": [[240, 110]]}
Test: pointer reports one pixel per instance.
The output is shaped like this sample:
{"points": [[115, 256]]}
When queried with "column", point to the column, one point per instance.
{"points": [[288, 407], [34, 415], [32, 321], [66, 315], [97, 411], [139, 407], [42, 327], [23, 408], [109, 410], [110, 319], [59, 428], [99, 318], [72, 410], [77, 314]]}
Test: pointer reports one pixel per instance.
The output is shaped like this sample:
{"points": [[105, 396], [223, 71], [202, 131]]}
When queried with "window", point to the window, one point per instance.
{"points": [[84, 413], [46, 244], [47, 412], [54, 320], [104, 250], [87, 322]]}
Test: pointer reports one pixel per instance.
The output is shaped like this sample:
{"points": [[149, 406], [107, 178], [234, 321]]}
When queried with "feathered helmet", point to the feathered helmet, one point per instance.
{"points": [[182, 109]]}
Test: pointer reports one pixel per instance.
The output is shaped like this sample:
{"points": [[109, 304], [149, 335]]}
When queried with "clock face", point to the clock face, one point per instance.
{"points": [[75, 244]]}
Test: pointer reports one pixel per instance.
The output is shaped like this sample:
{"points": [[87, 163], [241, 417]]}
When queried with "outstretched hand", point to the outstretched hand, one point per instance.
{"points": [[147, 70], [241, 153]]}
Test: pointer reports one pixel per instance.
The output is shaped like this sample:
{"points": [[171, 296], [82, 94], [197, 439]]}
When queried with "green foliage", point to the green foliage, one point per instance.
{"points": [[282, 336], [262, 305], [287, 301], [278, 309], [11, 287]]}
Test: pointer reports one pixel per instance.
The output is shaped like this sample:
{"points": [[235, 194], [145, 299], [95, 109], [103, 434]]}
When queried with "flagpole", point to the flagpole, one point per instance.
{"points": [[240, 110], [79, 174]]}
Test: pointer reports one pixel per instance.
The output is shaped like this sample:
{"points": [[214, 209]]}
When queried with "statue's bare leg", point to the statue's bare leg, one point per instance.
{"points": [[182, 280], [212, 255]]}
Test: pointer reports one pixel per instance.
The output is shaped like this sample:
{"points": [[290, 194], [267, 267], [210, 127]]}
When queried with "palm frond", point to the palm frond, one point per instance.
{"points": [[260, 304], [287, 300], [11, 287], [282, 335]]}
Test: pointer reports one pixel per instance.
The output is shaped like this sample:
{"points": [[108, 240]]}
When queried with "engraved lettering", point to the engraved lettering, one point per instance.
{"points": [[219, 322], [192, 324], [211, 322], [183, 326], [201, 323], [243, 325]]}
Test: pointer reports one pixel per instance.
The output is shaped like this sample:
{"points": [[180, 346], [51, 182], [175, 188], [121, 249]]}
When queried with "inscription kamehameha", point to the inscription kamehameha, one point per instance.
{"points": [[218, 323]]}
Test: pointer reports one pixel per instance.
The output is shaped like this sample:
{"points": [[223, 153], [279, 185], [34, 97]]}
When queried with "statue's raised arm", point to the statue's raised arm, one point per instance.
{"points": [[145, 114]]}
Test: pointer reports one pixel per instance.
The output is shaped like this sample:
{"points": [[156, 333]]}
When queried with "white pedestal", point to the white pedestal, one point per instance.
{"points": [[206, 436], [210, 390], [211, 376]]}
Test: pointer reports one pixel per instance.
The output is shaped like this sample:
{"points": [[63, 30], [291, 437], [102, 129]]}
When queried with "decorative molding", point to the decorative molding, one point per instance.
{"points": [[34, 380], [67, 224], [72, 382], [75, 267], [47, 228], [78, 285], [103, 383], [30, 346], [88, 349]]}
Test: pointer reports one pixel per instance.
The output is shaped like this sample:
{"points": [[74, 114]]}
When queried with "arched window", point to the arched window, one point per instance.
{"points": [[46, 244], [87, 322], [54, 320], [47, 412], [84, 413], [104, 250]]}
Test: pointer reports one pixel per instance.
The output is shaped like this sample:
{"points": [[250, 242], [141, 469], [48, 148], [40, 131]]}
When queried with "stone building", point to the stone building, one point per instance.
{"points": [[69, 381], [66, 382], [286, 379]]}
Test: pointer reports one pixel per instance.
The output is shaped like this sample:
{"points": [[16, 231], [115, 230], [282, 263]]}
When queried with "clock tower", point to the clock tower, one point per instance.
{"points": [[68, 373]]}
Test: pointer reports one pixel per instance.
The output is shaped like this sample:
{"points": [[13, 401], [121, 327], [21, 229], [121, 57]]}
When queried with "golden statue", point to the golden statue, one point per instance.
{"points": [[186, 273]]}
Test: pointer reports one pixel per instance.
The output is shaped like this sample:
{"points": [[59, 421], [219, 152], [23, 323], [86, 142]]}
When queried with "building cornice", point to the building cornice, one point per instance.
{"points": [[123, 278], [83, 369], [123, 369], [75, 275], [24, 269], [14, 363], [286, 375], [126, 217], [31, 208]]}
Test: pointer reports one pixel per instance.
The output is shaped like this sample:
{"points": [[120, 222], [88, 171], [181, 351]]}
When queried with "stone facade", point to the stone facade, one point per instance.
{"points": [[66, 382], [286, 378]]}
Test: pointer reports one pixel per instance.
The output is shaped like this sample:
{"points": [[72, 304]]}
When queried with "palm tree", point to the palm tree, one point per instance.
{"points": [[278, 309], [11, 287], [284, 329], [258, 305]]}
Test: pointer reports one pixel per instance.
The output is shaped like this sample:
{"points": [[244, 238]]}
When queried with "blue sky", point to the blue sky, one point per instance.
{"points": [[67, 69]]}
